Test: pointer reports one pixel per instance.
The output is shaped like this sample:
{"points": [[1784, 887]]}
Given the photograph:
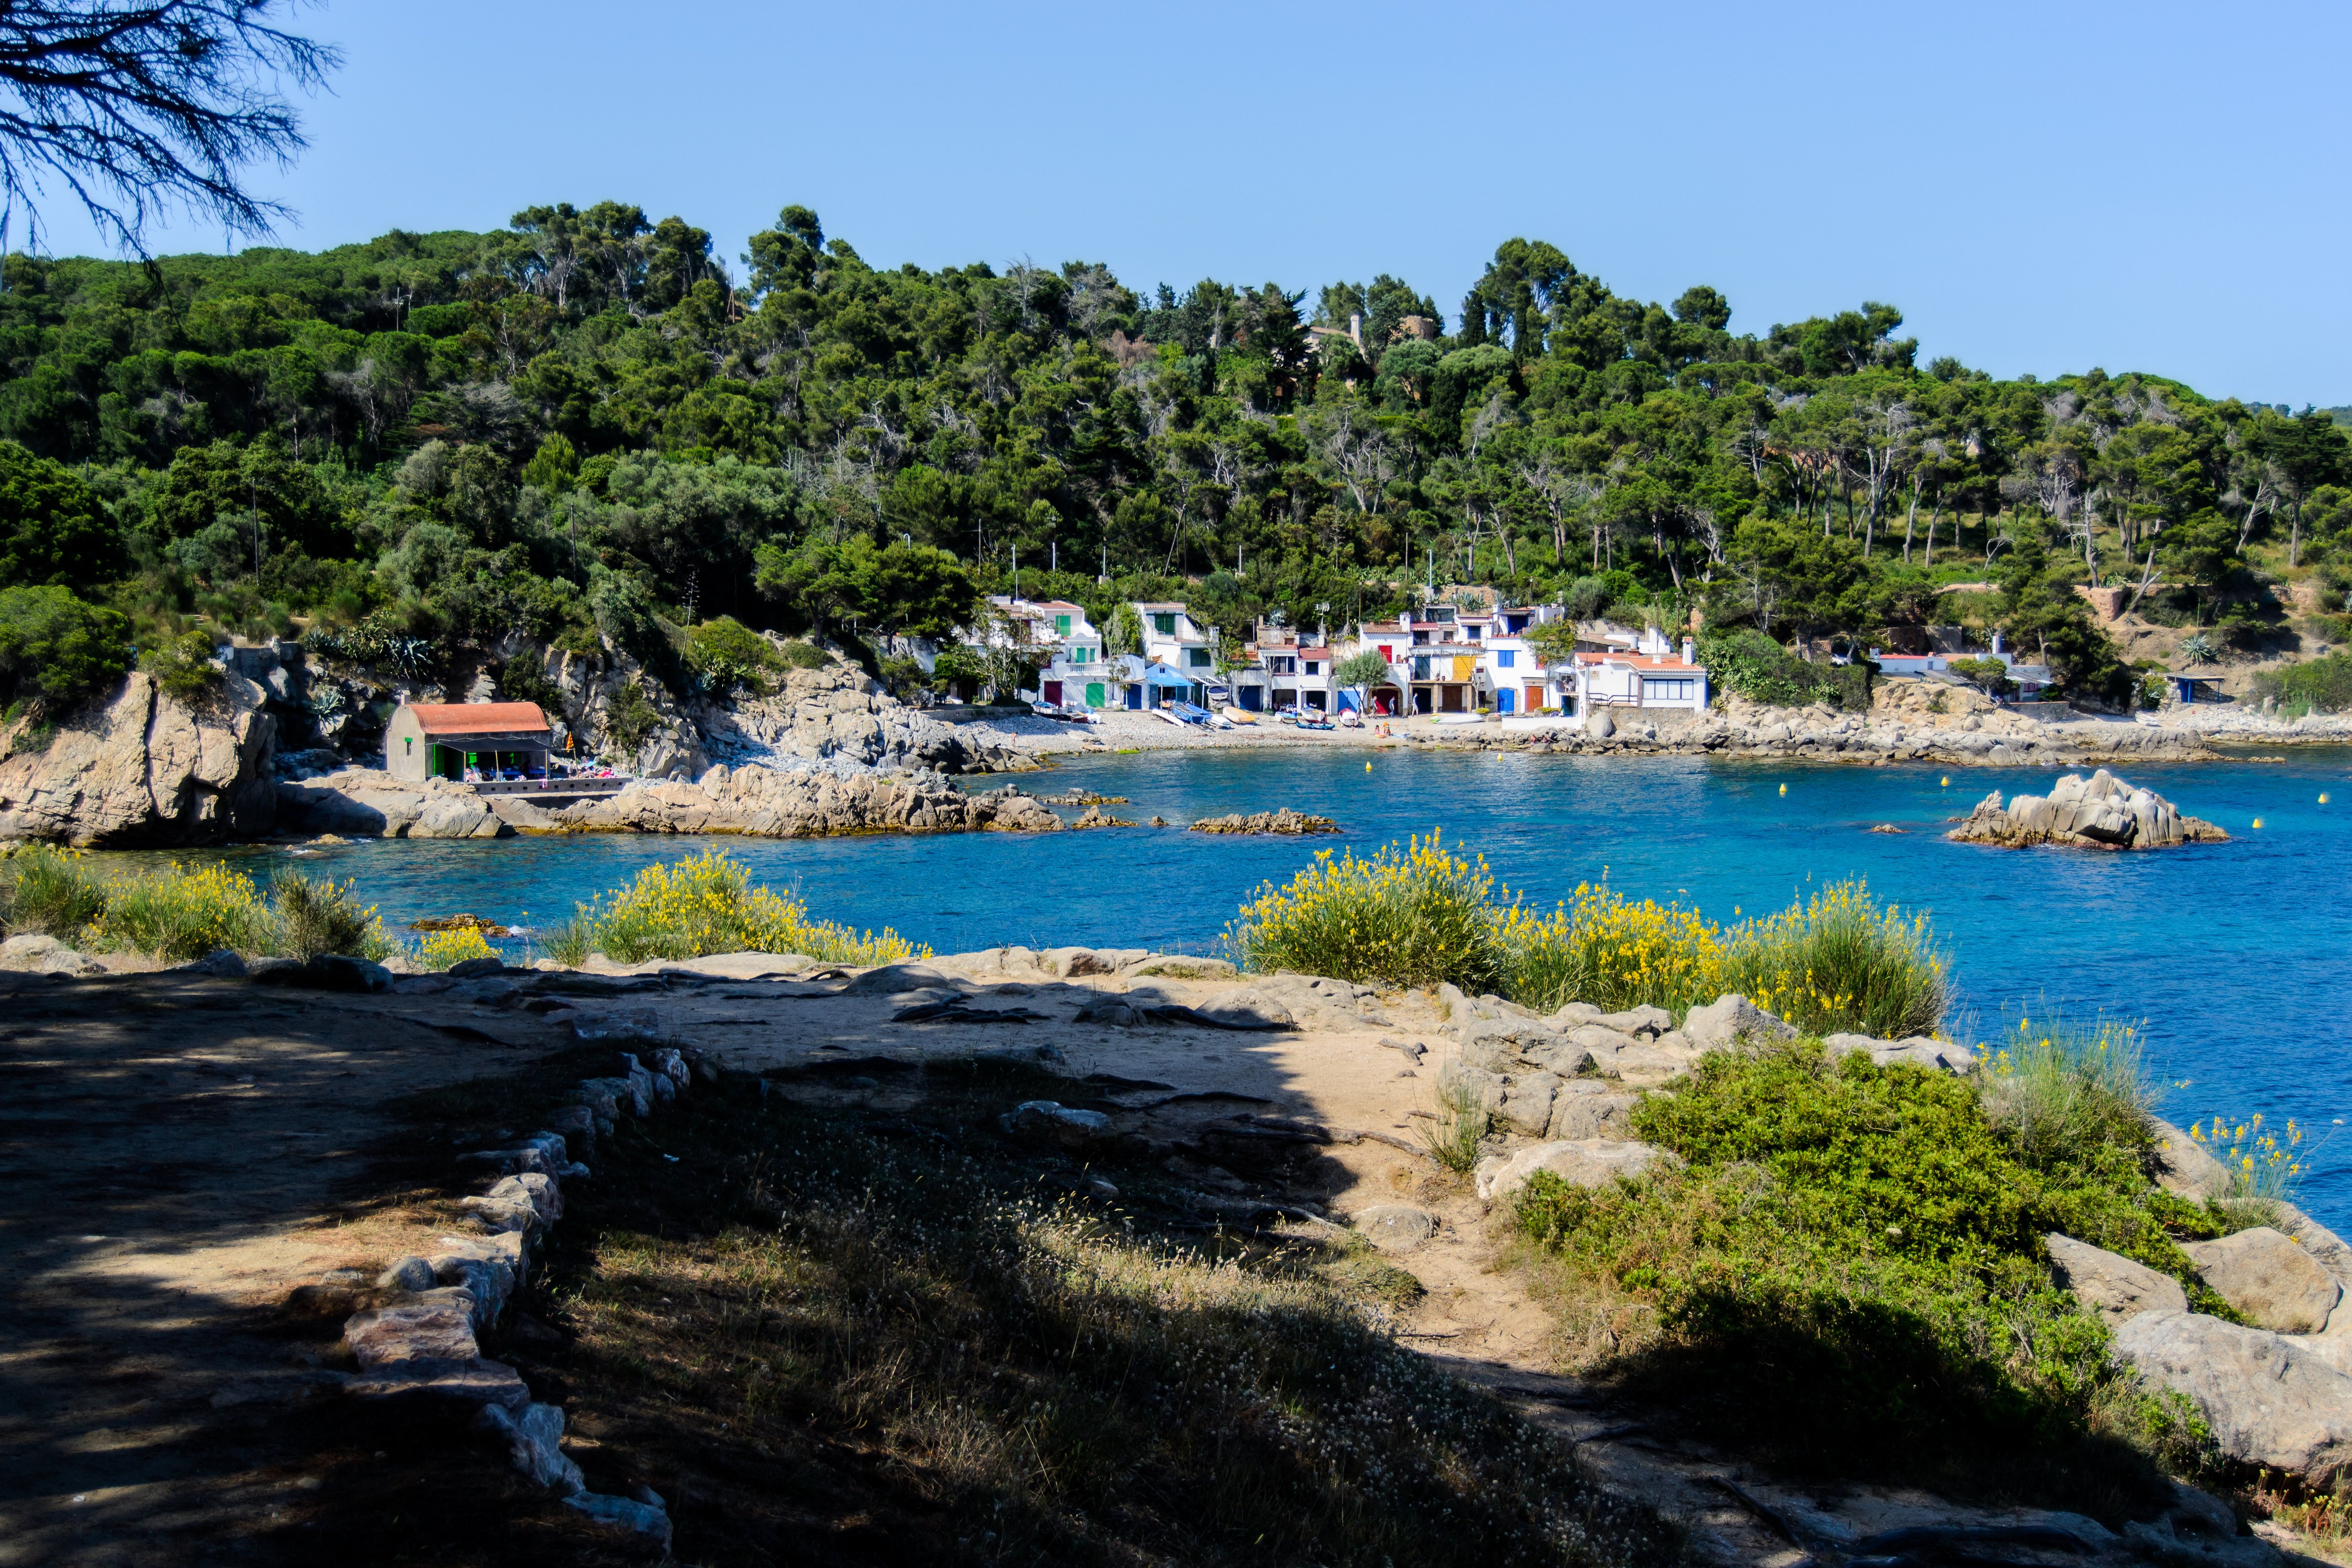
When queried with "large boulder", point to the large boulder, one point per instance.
{"points": [[2271, 1281], [2111, 1283], [1587, 1108], [1732, 1017], [1582, 1163], [837, 714], [33, 953], [144, 769], [2100, 812], [2269, 1400]]}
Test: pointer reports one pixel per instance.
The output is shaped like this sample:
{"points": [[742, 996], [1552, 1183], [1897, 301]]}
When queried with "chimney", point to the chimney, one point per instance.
{"points": [[1996, 644], [1690, 651], [1356, 328]]}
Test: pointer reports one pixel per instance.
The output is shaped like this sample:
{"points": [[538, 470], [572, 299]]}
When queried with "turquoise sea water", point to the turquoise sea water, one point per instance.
{"points": [[2238, 956]]}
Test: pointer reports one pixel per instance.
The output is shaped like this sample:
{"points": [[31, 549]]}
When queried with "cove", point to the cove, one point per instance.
{"points": [[2237, 956]]}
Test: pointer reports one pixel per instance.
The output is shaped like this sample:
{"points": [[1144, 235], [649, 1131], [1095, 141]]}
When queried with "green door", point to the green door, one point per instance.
{"points": [[1094, 694]]}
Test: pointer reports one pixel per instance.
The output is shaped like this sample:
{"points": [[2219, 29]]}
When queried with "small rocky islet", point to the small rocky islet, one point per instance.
{"points": [[2100, 812]]}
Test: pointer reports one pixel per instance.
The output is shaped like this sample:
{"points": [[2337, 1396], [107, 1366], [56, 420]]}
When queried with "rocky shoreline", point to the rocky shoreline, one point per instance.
{"points": [[831, 753]]}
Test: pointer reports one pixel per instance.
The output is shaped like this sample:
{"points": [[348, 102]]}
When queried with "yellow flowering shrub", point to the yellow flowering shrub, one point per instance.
{"points": [[1412, 918], [1614, 954], [444, 949], [186, 912], [706, 904], [48, 890], [1839, 961], [2265, 1171], [1427, 914]]}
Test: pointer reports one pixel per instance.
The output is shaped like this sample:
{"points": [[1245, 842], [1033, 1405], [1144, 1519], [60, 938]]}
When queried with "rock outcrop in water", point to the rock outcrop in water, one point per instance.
{"points": [[146, 769], [2100, 812], [371, 803], [1283, 822], [772, 803]]}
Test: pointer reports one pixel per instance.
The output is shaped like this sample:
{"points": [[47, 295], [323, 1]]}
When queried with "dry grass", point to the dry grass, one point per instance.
{"points": [[822, 1314]]}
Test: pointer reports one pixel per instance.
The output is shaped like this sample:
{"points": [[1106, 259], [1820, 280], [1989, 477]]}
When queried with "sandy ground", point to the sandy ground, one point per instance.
{"points": [[184, 1156]]}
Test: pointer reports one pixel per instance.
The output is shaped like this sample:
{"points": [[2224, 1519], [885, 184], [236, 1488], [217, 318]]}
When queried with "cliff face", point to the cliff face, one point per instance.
{"points": [[143, 770]]}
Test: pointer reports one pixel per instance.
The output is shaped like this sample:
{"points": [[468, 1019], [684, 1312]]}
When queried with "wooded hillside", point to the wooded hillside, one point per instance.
{"points": [[587, 426]]}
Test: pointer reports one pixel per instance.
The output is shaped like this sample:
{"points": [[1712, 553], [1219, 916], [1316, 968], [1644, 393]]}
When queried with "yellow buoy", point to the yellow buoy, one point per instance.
{"points": [[1784, 789], [1946, 780], [2258, 822], [1368, 767]]}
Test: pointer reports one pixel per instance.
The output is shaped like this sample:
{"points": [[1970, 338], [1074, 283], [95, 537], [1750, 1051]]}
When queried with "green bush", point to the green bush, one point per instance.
{"points": [[1416, 918], [2315, 686], [2062, 1087], [1427, 916], [804, 656], [183, 667], [310, 917], [1846, 1273], [630, 717], [48, 891], [1841, 963], [57, 650], [728, 655], [1751, 664], [705, 904]]}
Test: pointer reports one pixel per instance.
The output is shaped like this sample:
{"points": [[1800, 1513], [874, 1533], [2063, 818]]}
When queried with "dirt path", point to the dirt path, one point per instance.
{"points": [[179, 1155]]}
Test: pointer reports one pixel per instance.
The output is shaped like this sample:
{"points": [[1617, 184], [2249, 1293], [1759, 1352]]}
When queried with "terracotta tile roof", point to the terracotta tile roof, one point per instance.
{"points": [[478, 718]]}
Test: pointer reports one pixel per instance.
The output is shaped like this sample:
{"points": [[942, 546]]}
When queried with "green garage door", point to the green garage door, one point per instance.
{"points": [[1094, 694]]}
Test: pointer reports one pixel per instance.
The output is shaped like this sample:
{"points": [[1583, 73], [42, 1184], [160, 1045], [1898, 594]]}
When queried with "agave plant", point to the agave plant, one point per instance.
{"points": [[2196, 648]]}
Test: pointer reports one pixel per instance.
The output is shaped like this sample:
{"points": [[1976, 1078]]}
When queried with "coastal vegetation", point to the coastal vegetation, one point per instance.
{"points": [[446, 949], [2322, 685], [588, 432], [705, 904], [183, 911], [1843, 1271], [1426, 915]]}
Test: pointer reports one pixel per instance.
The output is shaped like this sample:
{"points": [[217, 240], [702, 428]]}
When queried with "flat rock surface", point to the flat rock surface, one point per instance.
{"points": [[2111, 1283], [2275, 1284]]}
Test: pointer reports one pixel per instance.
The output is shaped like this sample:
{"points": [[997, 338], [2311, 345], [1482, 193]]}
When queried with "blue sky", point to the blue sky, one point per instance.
{"points": [[2041, 187]]}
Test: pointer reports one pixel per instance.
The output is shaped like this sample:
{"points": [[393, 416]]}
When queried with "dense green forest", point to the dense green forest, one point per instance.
{"points": [[588, 430]]}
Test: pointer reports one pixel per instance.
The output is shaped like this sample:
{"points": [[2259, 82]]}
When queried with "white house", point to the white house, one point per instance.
{"points": [[1650, 673], [1512, 674], [1171, 637], [1073, 674], [1283, 667]]}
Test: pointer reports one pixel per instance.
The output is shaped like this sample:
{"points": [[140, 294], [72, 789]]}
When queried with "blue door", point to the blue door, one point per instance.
{"points": [[1503, 701], [1254, 699]]}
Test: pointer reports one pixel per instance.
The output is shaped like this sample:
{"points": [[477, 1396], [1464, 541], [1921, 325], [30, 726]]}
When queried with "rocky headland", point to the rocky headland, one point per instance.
{"points": [[145, 770], [2100, 812]]}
